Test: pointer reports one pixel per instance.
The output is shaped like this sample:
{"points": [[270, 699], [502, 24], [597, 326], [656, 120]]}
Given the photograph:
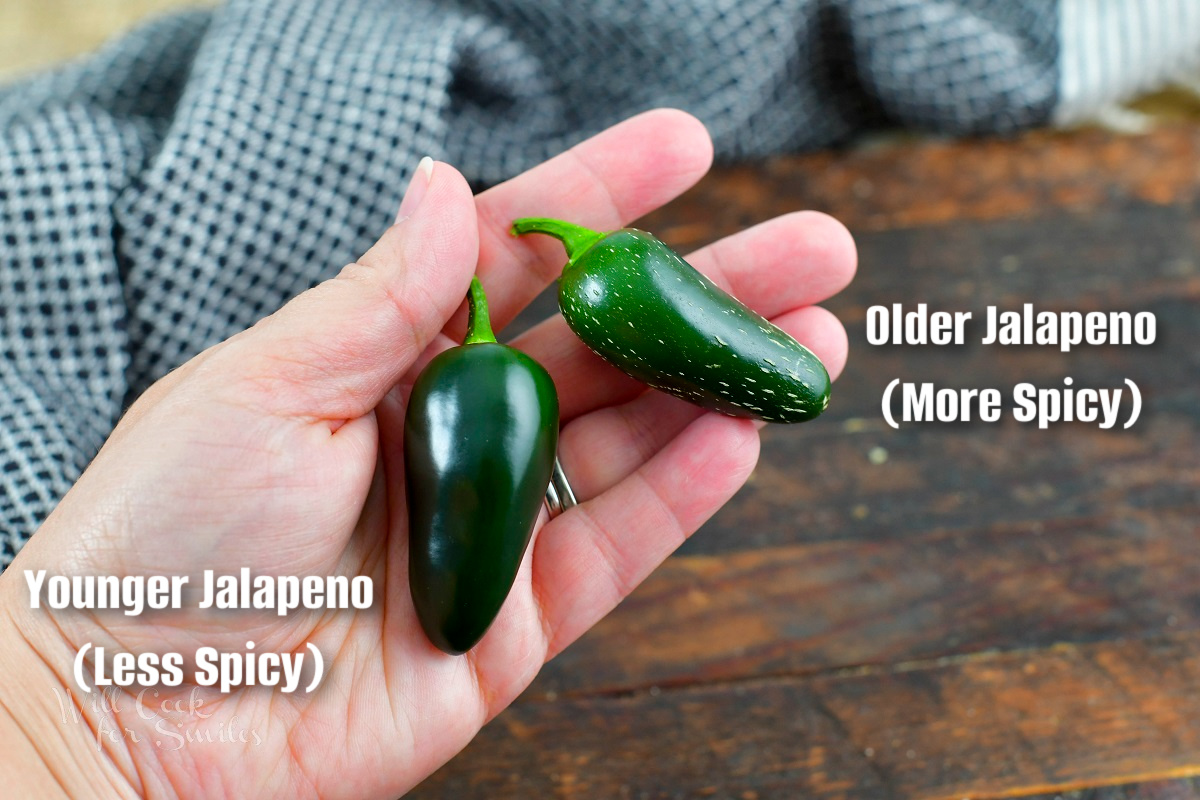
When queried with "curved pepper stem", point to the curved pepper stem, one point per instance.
{"points": [[575, 238], [479, 324]]}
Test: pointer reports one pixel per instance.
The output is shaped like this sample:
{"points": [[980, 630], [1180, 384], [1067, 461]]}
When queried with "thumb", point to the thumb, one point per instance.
{"points": [[335, 350]]}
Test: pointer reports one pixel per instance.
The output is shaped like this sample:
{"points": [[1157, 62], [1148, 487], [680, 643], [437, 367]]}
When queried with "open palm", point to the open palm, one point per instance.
{"points": [[280, 450]]}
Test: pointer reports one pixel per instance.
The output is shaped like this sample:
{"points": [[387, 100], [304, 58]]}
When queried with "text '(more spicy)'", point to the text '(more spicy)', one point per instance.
{"points": [[1065, 400]]}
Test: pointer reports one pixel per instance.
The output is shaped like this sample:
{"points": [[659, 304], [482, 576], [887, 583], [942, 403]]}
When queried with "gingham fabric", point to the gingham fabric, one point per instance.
{"points": [[171, 189]]}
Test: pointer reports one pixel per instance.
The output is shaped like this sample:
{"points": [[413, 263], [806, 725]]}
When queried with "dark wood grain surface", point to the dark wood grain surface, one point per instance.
{"points": [[944, 611]]}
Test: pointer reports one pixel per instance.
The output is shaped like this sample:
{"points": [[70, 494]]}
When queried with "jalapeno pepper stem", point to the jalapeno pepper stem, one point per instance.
{"points": [[575, 238], [479, 325]]}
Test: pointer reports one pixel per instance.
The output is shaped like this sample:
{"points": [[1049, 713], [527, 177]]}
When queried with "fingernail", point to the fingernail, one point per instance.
{"points": [[416, 189]]}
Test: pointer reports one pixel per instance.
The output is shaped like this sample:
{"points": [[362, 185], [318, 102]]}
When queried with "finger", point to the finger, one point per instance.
{"points": [[604, 182], [592, 556], [335, 350], [794, 260], [598, 450], [585, 382]]}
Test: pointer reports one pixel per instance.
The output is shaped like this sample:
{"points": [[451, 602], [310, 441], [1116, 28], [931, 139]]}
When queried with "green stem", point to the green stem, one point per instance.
{"points": [[479, 325], [575, 238]]}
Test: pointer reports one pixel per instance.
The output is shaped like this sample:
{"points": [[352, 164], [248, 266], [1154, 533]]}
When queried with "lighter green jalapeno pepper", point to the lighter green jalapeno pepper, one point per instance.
{"points": [[638, 305]]}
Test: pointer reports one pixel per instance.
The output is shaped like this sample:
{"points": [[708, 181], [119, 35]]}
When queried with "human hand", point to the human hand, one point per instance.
{"points": [[280, 450]]}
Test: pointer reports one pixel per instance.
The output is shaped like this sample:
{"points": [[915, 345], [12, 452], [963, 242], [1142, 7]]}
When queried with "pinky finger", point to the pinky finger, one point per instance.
{"points": [[590, 558]]}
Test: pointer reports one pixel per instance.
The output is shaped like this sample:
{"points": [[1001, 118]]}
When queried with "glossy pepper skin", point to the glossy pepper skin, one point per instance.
{"points": [[480, 434], [638, 305]]}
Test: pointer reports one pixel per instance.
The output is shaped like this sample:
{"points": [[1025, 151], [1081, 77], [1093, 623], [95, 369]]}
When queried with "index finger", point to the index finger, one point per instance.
{"points": [[603, 182]]}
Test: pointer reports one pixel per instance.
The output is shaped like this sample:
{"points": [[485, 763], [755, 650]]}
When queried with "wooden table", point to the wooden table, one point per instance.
{"points": [[944, 611]]}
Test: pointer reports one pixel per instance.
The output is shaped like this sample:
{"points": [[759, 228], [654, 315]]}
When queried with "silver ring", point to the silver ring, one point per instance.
{"points": [[559, 494]]}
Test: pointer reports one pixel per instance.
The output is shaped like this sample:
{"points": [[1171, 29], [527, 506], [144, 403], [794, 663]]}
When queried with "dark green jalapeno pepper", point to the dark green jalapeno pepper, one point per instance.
{"points": [[638, 305], [480, 434]]}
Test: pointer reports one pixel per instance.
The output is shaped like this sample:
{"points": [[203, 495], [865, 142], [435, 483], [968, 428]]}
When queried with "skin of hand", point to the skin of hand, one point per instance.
{"points": [[280, 450]]}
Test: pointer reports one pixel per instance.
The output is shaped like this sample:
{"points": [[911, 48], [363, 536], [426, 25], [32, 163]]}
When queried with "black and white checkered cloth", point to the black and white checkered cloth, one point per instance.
{"points": [[168, 191]]}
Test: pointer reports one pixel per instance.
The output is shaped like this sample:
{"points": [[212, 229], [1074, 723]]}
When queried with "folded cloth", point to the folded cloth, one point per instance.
{"points": [[171, 189]]}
